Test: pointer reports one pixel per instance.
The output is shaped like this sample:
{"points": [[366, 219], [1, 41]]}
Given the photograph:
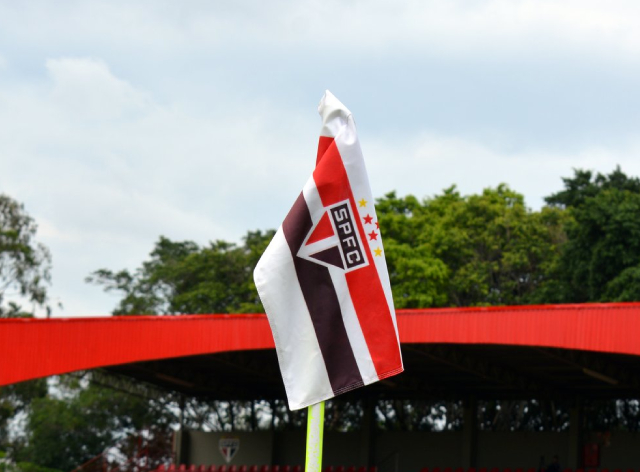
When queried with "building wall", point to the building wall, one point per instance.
{"points": [[408, 452], [255, 448], [413, 451], [513, 450], [342, 449], [339, 448], [622, 452], [289, 447]]}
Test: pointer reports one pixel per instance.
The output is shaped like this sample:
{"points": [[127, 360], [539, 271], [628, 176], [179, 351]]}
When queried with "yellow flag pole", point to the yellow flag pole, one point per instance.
{"points": [[315, 430]]}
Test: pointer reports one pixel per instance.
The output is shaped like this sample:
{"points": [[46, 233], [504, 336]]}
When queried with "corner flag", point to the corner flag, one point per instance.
{"points": [[323, 280]]}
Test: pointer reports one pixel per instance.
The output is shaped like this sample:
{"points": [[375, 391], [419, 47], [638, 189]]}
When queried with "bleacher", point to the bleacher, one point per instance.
{"points": [[519, 469], [352, 468], [255, 468], [228, 468]]}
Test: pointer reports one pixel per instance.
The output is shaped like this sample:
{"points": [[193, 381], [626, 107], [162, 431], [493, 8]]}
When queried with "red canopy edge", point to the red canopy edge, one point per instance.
{"points": [[32, 348]]}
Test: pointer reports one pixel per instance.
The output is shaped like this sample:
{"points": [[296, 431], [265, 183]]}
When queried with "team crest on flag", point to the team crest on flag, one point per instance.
{"points": [[334, 241], [323, 279], [228, 447]]}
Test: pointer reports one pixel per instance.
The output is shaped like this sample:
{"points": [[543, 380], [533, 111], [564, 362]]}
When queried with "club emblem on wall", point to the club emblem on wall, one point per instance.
{"points": [[228, 447]]}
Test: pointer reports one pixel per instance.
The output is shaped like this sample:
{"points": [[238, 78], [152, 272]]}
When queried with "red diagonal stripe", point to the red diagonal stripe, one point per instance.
{"points": [[364, 284], [323, 144]]}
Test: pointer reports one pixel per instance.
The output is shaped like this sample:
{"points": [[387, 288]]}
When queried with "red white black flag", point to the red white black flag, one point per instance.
{"points": [[323, 280]]}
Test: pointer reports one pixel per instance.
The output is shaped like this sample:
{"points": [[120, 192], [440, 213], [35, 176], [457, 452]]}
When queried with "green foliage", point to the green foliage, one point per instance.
{"points": [[584, 185], [601, 259], [29, 467], [15, 399], [483, 249], [8, 466], [418, 415], [68, 429], [448, 250], [523, 415], [24, 264], [418, 277], [183, 278]]}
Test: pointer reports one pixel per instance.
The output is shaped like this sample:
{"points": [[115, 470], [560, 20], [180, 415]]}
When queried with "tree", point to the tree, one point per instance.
{"points": [[486, 249], [16, 399], [584, 184], [418, 276], [601, 259], [181, 278], [7, 465], [25, 265], [75, 422], [24, 274]]}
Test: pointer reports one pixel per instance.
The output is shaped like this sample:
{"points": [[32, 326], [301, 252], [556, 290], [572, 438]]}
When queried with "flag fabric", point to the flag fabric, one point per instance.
{"points": [[323, 279]]}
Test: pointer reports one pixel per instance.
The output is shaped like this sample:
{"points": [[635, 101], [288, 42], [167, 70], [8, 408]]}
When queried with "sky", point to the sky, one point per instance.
{"points": [[123, 121]]}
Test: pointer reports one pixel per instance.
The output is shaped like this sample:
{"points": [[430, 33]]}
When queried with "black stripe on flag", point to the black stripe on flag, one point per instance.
{"points": [[322, 303]]}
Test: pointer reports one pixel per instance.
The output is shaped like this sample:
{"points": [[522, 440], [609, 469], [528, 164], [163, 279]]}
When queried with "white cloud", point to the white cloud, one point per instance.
{"points": [[428, 163], [108, 171], [458, 28], [86, 89], [372, 27]]}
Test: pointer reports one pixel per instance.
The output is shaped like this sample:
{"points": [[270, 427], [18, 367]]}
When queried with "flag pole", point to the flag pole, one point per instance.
{"points": [[315, 429]]}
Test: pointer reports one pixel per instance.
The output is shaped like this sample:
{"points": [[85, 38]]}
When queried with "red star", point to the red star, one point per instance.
{"points": [[373, 235], [377, 225], [368, 219]]}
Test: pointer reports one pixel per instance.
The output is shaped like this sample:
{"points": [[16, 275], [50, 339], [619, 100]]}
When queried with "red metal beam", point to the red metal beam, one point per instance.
{"points": [[32, 348]]}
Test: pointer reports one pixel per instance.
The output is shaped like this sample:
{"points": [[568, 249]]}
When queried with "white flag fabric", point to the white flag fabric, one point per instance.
{"points": [[323, 280]]}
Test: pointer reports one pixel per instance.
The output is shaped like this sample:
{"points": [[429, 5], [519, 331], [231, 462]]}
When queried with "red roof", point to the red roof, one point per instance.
{"points": [[31, 348]]}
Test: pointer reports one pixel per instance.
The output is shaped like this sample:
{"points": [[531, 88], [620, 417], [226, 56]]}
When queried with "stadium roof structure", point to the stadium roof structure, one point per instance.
{"points": [[555, 351]]}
